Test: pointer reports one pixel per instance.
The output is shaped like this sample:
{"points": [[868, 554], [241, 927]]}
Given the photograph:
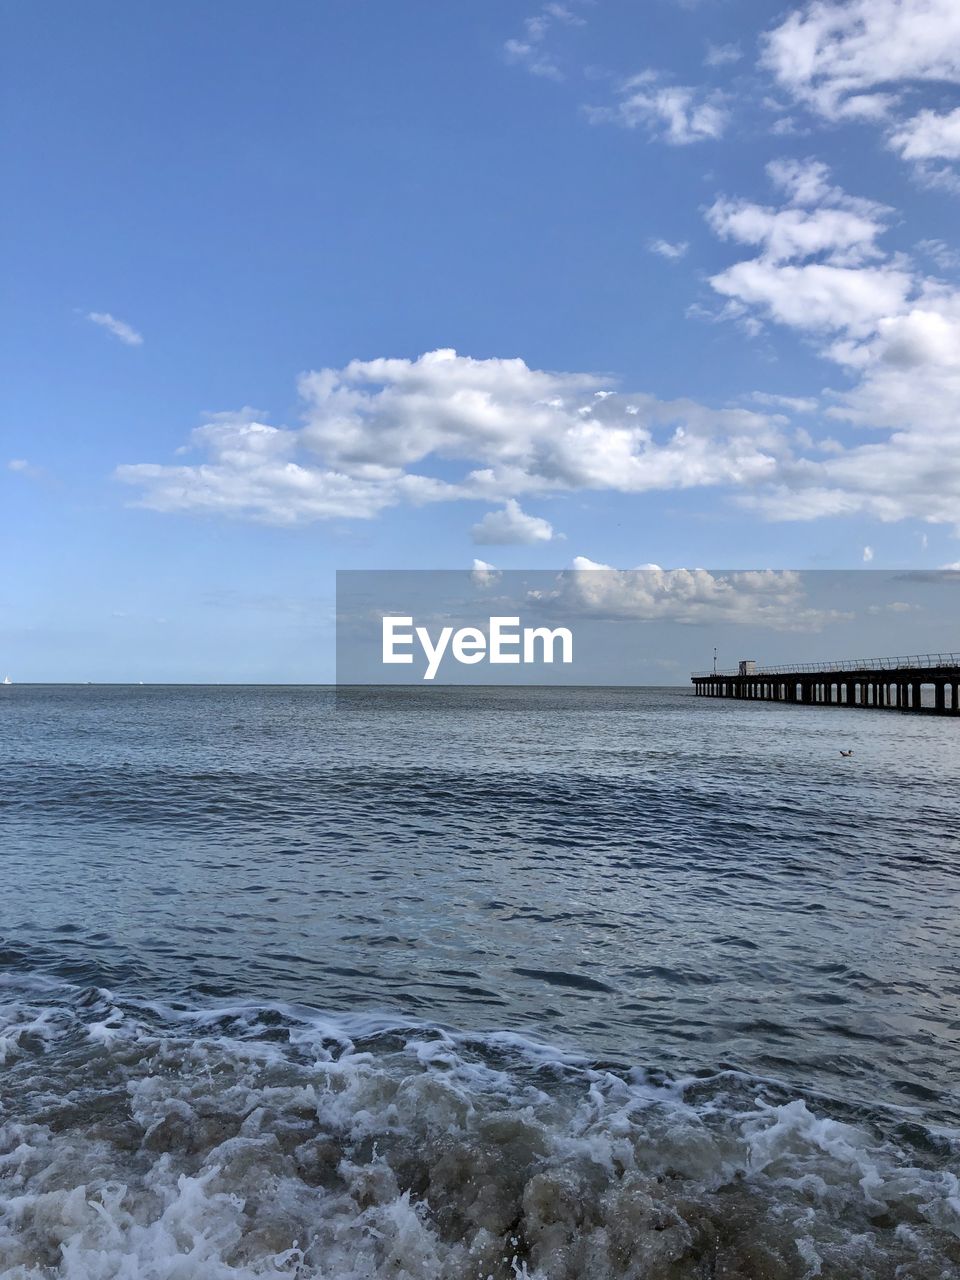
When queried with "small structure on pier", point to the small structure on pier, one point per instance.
{"points": [[892, 683]]}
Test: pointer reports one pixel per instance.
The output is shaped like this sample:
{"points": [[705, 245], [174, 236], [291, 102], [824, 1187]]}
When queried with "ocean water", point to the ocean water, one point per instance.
{"points": [[463, 984]]}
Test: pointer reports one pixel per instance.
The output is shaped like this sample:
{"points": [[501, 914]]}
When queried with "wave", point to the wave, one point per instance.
{"points": [[150, 1141]]}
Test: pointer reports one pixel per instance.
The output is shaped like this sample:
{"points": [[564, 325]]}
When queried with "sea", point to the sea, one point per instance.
{"points": [[476, 984]]}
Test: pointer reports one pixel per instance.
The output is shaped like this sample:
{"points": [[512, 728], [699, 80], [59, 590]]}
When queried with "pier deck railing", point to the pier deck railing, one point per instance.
{"points": [[896, 683], [920, 661]]}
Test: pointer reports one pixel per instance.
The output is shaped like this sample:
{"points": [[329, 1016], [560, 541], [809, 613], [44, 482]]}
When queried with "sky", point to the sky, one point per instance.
{"points": [[396, 284], [632, 626]]}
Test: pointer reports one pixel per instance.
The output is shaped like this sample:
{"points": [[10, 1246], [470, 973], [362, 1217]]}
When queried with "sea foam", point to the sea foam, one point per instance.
{"points": [[142, 1141]]}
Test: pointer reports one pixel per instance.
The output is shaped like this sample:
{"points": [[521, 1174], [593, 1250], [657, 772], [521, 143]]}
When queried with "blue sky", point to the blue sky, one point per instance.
{"points": [[720, 237]]}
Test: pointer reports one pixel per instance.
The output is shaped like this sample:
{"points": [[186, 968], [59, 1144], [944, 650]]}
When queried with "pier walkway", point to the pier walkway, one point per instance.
{"points": [[892, 683]]}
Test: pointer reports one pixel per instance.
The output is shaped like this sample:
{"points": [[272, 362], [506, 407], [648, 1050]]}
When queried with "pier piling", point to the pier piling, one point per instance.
{"points": [[880, 683]]}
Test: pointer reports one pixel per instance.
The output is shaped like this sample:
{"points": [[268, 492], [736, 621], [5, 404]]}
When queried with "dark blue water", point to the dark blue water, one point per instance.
{"points": [[700, 970]]}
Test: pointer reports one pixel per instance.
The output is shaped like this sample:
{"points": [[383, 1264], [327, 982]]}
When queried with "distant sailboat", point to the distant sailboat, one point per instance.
{"points": [[7, 680]]}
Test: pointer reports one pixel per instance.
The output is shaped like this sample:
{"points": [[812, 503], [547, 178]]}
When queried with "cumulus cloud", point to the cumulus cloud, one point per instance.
{"points": [[668, 249], [673, 113], [929, 136], [511, 526], [484, 574], [895, 332], [810, 272], [859, 60], [505, 429], [768, 598], [378, 433], [803, 181], [819, 220], [931, 141], [816, 295], [125, 332], [849, 59], [844, 236]]}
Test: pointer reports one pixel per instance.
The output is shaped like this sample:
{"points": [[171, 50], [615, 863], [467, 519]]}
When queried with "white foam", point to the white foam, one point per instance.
{"points": [[155, 1143]]}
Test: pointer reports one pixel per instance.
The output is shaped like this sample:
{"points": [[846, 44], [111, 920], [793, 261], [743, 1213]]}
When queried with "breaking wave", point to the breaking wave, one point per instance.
{"points": [[144, 1141]]}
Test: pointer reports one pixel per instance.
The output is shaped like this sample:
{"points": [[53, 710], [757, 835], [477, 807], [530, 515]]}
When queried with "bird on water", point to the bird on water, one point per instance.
{"points": [[846, 753]]}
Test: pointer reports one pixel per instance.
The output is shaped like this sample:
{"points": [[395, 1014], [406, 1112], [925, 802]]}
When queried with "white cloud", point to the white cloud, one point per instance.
{"points": [[251, 471], [375, 434], [929, 136], [529, 55], [860, 59], [817, 296], [819, 221], [528, 50], [768, 598], [801, 181], [845, 236], [118, 328], [849, 59], [484, 574], [673, 113], [21, 467], [506, 429], [511, 526], [563, 13], [668, 249], [895, 333], [793, 404], [946, 258], [785, 127], [931, 142], [810, 273], [722, 55]]}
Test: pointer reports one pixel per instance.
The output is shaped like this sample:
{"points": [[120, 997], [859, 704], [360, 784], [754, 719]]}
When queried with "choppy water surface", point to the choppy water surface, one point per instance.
{"points": [[467, 984]]}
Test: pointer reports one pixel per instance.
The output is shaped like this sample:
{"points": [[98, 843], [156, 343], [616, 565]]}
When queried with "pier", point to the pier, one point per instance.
{"points": [[893, 684]]}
